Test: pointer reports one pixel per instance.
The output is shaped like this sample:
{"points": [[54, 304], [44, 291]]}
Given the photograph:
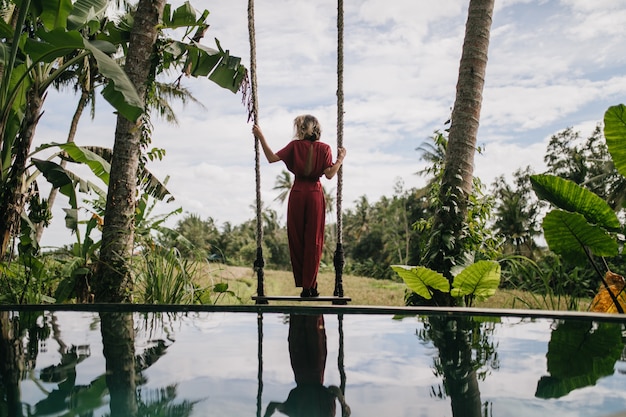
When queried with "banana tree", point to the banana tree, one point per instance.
{"points": [[68, 34], [582, 227], [59, 35], [80, 262]]}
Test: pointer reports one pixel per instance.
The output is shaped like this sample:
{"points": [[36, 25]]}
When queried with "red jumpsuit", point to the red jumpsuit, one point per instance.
{"points": [[306, 209]]}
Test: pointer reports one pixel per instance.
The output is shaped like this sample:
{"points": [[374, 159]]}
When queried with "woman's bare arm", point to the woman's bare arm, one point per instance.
{"points": [[332, 170], [269, 154]]}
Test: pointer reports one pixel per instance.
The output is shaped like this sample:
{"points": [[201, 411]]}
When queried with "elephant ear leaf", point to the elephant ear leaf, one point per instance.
{"points": [[420, 279], [615, 134], [570, 235], [567, 195], [480, 280]]}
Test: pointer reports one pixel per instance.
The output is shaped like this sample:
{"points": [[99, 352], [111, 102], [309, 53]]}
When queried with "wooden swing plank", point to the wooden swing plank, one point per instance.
{"points": [[298, 298]]}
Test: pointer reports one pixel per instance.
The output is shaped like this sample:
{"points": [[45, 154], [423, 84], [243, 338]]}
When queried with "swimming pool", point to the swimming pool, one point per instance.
{"points": [[249, 360]]}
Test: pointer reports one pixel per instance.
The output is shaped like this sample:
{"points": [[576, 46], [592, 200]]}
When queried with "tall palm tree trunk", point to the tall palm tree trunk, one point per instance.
{"points": [[445, 247], [113, 279]]}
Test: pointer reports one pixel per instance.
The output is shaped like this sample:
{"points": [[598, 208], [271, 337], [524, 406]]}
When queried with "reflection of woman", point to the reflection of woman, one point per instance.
{"points": [[307, 351]]}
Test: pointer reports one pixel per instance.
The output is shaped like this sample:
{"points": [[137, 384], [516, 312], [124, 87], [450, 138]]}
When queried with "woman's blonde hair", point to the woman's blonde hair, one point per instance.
{"points": [[306, 127]]}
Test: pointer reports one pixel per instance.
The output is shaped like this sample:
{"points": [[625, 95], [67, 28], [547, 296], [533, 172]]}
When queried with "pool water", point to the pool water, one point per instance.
{"points": [[311, 362]]}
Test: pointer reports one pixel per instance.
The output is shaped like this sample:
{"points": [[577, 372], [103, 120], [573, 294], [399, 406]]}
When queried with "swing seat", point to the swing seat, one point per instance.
{"points": [[333, 299]]}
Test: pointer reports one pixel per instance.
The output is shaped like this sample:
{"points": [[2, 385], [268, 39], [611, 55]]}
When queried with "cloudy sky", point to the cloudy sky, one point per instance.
{"points": [[552, 64]]}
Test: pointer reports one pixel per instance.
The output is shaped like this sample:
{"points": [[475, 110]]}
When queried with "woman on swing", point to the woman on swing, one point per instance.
{"points": [[308, 159]]}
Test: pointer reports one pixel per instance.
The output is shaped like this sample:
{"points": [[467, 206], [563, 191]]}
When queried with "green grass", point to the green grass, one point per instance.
{"points": [[363, 291]]}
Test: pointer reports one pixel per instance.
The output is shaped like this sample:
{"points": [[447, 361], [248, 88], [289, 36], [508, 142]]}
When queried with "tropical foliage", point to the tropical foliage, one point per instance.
{"points": [[582, 226]]}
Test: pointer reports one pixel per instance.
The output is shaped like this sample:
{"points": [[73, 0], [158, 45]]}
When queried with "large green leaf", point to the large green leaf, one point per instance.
{"points": [[54, 13], [183, 16], [71, 218], [227, 77], [570, 196], [97, 164], [119, 92], [6, 30], [568, 234], [480, 279], [53, 44], [221, 68], [58, 177], [86, 11], [615, 134], [201, 60], [155, 188], [420, 279]]}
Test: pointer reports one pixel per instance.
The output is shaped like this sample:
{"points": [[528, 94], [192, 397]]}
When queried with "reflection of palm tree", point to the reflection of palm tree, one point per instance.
{"points": [[123, 367], [11, 362], [455, 339]]}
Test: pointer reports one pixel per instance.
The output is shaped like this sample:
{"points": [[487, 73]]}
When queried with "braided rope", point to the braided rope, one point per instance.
{"points": [[259, 263], [339, 256]]}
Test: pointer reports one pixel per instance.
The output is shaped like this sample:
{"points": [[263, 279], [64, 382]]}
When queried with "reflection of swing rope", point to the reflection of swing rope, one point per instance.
{"points": [[340, 364], [259, 395], [342, 371]]}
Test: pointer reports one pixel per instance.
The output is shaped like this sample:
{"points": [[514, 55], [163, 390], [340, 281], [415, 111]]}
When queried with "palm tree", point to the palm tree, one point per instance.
{"points": [[283, 184], [434, 154], [517, 214], [114, 283], [446, 243]]}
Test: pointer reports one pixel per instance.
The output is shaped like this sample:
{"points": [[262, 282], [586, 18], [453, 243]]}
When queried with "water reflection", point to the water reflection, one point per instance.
{"points": [[307, 354], [196, 364], [118, 340], [579, 354]]}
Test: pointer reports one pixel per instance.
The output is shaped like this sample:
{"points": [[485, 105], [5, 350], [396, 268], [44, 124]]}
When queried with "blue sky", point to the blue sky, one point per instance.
{"points": [[552, 64]]}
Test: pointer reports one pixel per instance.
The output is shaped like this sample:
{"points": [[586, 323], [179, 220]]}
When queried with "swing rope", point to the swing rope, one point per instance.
{"points": [[259, 263], [338, 258]]}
